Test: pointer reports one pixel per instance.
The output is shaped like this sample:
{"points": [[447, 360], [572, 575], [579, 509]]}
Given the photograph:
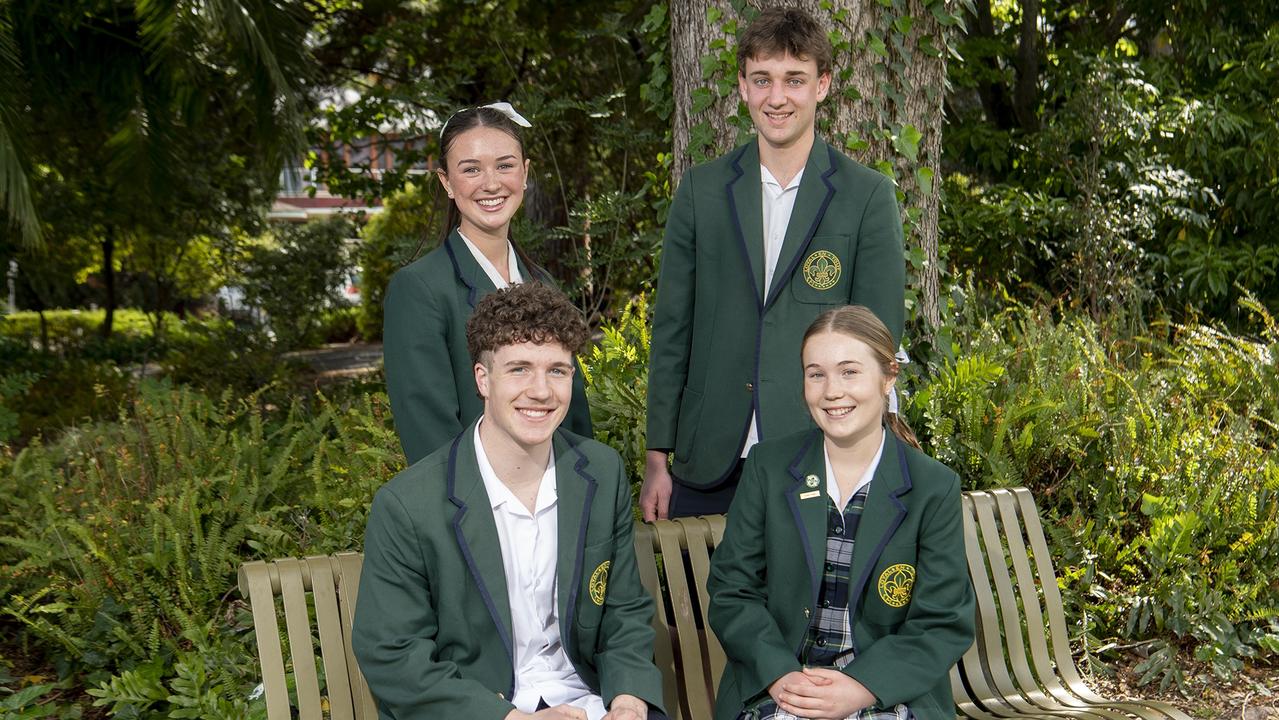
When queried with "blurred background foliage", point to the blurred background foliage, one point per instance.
{"points": [[1108, 230]]}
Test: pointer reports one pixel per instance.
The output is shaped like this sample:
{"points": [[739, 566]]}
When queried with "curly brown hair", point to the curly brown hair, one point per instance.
{"points": [[785, 31], [528, 312]]}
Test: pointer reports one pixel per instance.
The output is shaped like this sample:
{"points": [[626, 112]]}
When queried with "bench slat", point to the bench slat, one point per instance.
{"points": [[663, 654], [697, 535], [324, 592], [255, 584], [693, 677], [297, 621], [349, 564]]}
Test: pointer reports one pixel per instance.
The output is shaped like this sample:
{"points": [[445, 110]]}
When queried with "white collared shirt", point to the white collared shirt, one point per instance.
{"points": [[778, 203], [512, 267], [530, 544], [832, 485]]}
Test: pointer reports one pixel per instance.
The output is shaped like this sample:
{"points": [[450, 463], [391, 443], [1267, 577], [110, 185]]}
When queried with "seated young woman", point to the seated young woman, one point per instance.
{"points": [[840, 589]]}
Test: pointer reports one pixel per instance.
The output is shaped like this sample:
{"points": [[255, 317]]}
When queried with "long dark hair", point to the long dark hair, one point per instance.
{"points": [[460, 122], [857, 321]]}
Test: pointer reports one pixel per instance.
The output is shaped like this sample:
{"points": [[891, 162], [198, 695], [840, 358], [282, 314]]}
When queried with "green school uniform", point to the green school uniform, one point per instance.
{"points": [[911, 601], [429, 373], [432, 629], [722, 348]]}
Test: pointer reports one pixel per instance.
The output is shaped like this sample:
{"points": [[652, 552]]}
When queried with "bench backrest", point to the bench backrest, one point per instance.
{"points": [[1008, 559]]}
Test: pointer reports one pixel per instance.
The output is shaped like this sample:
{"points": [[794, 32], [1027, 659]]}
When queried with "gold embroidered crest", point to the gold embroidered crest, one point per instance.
{"points": [[895, 585], [599, 582], [821, 270]]}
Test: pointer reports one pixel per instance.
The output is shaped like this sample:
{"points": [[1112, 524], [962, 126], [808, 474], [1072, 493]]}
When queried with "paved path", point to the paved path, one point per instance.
{"points": [[345, 359]]}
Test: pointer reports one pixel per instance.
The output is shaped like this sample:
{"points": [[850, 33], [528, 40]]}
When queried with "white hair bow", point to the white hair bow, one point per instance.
{"points": [[502, 107]]}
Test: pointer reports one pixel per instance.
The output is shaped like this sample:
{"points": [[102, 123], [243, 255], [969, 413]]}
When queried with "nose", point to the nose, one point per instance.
{"points": [[776, 95], [490, 180], [540, 387]]}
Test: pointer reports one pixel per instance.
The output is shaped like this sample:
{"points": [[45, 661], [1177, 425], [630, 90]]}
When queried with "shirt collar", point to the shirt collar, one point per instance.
{"points": [[767, 178], [512, 266], [499, 494], [832, 487]]}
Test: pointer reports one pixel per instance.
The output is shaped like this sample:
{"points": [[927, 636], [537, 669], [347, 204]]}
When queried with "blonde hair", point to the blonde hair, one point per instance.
{"points": [[857, 321]]}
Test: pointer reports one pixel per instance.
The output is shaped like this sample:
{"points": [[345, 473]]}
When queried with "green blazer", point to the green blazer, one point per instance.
{"points": [[428, 368], [766, 574], [432, 627], [721, 348]]}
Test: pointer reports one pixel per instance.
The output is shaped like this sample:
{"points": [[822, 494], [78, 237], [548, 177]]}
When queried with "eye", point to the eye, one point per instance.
{"points": [[761, 82], [560, 372], [849, 372], [470, 170], [816, 375], [796, 82]]}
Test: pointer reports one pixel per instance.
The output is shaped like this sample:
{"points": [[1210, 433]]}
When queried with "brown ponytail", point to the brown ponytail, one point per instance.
{"points": [[859, 322]]}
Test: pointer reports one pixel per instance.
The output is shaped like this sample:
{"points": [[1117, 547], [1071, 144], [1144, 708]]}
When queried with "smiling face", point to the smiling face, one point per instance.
{"points": [[485, 175], [782, 92], [845, 387], [526, 389]]}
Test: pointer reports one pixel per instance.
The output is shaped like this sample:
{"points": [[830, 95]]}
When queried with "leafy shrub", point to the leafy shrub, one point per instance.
{"points": [[1155, 457], [340, 325], [119, 543], [295, 274], [617, 385]]}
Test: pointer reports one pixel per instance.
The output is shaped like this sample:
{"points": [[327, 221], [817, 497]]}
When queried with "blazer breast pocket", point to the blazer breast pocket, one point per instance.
{"points": [[824, 274], [891, 586], [597, 560]]}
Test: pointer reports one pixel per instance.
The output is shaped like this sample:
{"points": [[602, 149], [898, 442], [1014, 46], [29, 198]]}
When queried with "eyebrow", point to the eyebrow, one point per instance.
{"points": [[841, 362], [464, 161]]}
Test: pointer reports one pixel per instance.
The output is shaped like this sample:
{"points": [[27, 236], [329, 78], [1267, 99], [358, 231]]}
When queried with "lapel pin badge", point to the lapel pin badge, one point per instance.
{"points": [[811, 481]]}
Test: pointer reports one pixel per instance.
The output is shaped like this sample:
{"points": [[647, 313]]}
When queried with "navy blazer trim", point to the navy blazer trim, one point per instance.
{"points": [[812, 229], [472, 294], [566, 624], [737, 224], [470, 559], [799, 520], [860, 585]]}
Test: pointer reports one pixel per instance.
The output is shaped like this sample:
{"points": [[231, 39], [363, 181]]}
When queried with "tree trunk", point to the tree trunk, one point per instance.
{"points": [[903, 86], [108, 283], [691, 38]]}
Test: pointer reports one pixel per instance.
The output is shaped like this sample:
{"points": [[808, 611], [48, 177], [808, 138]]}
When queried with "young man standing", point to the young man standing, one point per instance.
{"points": [[759, 242], [499, 577]]}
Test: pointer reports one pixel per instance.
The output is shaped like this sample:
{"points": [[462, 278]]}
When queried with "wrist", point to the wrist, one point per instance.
{"points": [[629, 702]]}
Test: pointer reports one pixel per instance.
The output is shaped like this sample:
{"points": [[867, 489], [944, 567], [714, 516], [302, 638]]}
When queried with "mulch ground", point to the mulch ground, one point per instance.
{"points": [[1252, 695]]}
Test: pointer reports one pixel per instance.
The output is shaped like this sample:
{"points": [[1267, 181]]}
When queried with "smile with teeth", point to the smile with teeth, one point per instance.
{"points": [[534, 413], [491, 202], [839, 411]]}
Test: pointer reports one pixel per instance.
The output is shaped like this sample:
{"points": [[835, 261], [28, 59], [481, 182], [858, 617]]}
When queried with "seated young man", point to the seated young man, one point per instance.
{"points": [[499, 575]]}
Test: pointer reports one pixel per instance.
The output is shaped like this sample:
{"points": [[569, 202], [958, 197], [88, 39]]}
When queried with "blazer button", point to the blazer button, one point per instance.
{"points": [[807, 612], [750, 387], [500, 696]]}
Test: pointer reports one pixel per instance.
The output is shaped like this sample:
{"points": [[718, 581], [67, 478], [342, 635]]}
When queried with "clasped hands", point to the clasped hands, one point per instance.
{"points": [[623, 707], [820, 694]]}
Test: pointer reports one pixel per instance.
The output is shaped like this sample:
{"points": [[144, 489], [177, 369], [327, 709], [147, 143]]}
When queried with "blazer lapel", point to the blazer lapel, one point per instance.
{"points": [[575, 489], [743, 192], [809, 509], [476, 532], [815, 193], [883, 514], [467, 270]]}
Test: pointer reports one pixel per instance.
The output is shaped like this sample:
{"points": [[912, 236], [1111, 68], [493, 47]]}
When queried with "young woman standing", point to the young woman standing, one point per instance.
{"points": [[429, 377]]}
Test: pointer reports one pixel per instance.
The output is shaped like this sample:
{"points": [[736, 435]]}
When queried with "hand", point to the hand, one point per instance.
{"points": [[655, 494], [627, 707], [824, 693], [559, 712]]}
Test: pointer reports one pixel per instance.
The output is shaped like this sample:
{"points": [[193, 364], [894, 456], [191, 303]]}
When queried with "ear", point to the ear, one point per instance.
{"points": [[890, 381], [482, 380], [444, 180], [823, 86], [527, 165]]}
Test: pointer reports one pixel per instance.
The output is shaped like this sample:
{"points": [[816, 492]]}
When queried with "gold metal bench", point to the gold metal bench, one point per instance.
{"points": [[1019, 667]]}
